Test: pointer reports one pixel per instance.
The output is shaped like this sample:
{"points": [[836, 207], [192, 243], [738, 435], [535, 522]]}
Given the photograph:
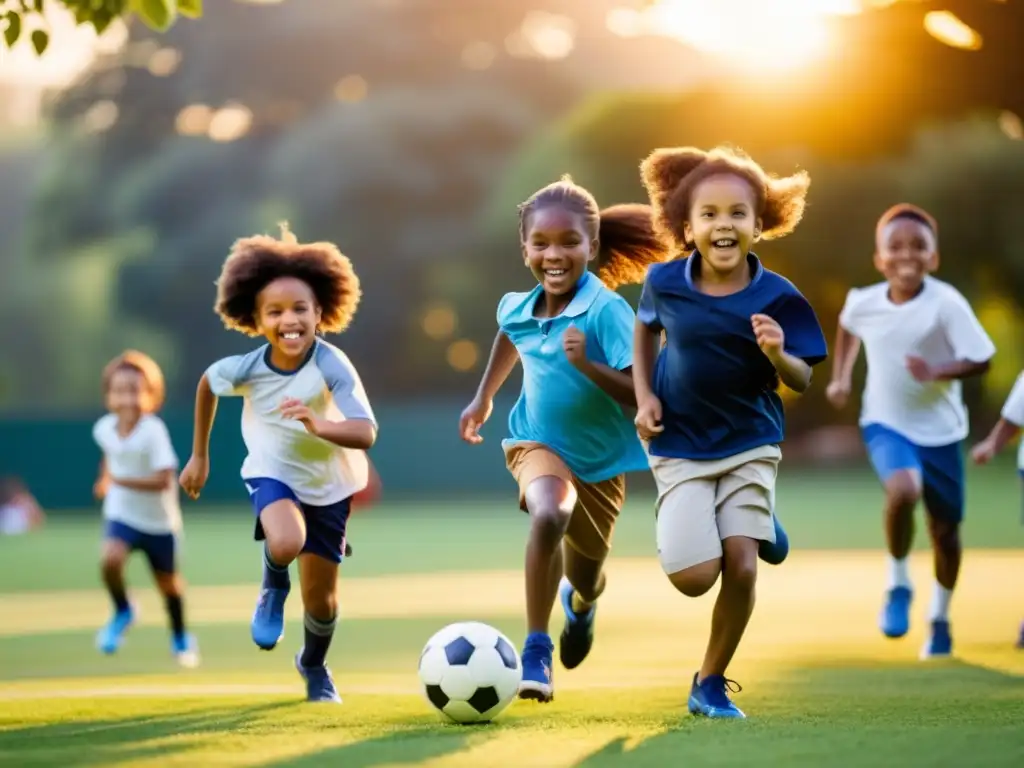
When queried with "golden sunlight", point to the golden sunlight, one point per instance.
{"points": [[780, 34]]}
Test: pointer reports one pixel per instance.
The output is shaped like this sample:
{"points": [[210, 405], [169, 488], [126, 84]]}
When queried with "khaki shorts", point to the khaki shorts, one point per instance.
{"points": [[597, 506], [700, 503]]}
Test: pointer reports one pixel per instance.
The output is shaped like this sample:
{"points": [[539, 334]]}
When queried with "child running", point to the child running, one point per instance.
{"points": [[920, 337], [708, 401], [1006, 429], [570, 440], [306, 423], [140, 499]]}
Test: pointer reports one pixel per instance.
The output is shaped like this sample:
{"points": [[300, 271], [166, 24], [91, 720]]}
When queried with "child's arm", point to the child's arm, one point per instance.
{"points": [[499, 365], [197, 470], [972, 348], [1008, 427], [646, 341], [794, 372], [356, 433], [847, 348], [158, 481], [958, 369], [102, 484], [617, 384]]}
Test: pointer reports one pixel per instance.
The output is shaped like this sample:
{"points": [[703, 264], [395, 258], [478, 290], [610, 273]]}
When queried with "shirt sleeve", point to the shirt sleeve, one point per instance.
{"points": [[848, 319], [647, 310], [1013, 409], [161, 450], [98, 431], [344, 384], [613, 329], [963, 330], [226, 376], [803, 335]]}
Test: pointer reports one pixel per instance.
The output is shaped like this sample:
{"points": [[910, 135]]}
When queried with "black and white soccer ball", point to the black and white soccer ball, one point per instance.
{"points": [[470, 672]]}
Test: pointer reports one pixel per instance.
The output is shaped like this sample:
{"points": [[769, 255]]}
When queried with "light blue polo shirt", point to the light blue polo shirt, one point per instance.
{"points": [[559, 406]]}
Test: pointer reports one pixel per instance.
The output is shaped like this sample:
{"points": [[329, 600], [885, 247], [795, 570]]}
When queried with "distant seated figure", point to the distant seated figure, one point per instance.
{"points": [[19, 510]]}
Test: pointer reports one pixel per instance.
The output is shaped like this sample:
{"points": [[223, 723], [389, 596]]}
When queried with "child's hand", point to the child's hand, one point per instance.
{"points": [[983, 452], [100, 488], [838, 393], [919, 369], [648, 418], [574, 343], [769, 335], [473, 417], [193, 476], [299, 411]]}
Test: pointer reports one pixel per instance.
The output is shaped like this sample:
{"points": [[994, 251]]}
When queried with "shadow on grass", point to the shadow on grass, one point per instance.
{"points": [[404, 745], [944, 714], [102, 742]]}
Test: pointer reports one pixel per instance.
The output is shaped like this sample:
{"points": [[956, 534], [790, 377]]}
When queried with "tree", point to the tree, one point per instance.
{"points": [[29, 16]]}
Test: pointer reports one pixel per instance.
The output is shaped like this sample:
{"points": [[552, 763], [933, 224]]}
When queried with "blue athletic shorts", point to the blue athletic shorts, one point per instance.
{"points": [[160, 549], [325, 526], [941, 468]]}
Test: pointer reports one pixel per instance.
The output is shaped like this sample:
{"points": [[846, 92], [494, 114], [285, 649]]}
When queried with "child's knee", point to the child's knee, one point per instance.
{"points": [[113, 557], [550, 517], [697, 579], [945, 534], [320, 601], [170, 584], [903, 490], [285, 546]]}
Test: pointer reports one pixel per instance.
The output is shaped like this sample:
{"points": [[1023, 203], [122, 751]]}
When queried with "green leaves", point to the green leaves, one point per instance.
{"points": [[13, 29], [158, 15]]}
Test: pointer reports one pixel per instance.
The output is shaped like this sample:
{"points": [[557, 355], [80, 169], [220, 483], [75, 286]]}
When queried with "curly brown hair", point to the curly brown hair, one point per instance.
{"points": [[671, 175], [906, 211], [145, 366], [628, 243], [255, 262]]}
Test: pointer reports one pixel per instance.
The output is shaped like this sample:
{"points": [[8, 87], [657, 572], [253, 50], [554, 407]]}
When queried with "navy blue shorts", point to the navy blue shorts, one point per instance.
{"points": [[161, 549], [941, 468], [325, 526]]}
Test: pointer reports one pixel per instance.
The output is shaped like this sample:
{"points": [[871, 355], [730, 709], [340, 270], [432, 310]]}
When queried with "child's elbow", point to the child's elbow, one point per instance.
{"points": [[367, 436]]}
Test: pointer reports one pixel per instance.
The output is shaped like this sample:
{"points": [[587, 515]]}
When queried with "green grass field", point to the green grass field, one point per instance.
{"points": [[820, 683]]}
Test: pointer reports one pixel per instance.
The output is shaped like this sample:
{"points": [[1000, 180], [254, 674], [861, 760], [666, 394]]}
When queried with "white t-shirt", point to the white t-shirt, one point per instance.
{"points": [[319, 472], [937, 325], [1013, 412], [144, 452]]}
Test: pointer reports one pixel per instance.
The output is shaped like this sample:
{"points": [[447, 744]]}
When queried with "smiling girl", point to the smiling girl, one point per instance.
{"points": [[306, 423]]}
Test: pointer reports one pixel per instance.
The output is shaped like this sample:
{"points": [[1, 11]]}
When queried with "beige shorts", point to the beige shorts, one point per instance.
{"points": [[700, 503], [597, 505]]}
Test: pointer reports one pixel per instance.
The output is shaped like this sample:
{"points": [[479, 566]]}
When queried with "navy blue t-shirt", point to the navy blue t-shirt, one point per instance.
{"points": [[718, 391]]}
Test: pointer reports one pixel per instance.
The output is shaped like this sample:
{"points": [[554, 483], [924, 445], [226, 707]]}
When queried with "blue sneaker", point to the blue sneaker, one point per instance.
{"points": [[268, 619], [185, 650], [940, 642], [536, 658], [578, 633], [774, 554], [319, 683], [109, 639], [710, 698], [895, 619]]}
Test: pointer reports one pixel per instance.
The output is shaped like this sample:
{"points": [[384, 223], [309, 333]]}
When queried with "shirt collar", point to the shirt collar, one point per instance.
{"points": [[587, 290], [756, 269]]}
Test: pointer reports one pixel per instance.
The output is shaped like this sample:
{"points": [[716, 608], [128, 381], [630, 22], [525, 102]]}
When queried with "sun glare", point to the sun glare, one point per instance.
{"points": [[759, 34]]}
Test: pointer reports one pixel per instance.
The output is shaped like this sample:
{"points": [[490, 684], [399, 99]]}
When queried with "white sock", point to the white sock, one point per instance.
{"points": [[940, 603], [899, 573]]}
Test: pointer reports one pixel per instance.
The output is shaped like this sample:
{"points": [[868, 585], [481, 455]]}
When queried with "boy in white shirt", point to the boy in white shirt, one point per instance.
{"points": [[1006, 429], [921, 338], [306, 423], [140, 499]]}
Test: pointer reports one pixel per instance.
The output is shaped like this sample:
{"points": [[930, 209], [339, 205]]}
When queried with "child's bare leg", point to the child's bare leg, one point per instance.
{"points": [[734, 605]]}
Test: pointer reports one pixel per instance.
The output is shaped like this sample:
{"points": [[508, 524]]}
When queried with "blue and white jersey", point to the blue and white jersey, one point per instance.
{"points": [[319, 472]]}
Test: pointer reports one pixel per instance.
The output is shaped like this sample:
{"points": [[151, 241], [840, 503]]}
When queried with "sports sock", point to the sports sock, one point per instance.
{"points": [[176, 613], [274, 576], [318, 640], [899, 573], [940, 603]]}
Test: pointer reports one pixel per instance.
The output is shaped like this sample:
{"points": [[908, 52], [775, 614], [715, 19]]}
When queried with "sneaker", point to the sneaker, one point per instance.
{"points": [[710, 698], [775, 553], [940, 642], [185, 650], [319, 682], [536, 659], [578, 633], [895, 618], [268, 619], [109, 639]]}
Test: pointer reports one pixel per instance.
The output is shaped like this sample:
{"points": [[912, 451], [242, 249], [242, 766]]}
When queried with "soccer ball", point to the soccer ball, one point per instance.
{"points": [[470, 672]]}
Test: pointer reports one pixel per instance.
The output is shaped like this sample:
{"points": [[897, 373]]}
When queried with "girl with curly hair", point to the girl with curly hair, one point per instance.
{"points": [[306, 422]]}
